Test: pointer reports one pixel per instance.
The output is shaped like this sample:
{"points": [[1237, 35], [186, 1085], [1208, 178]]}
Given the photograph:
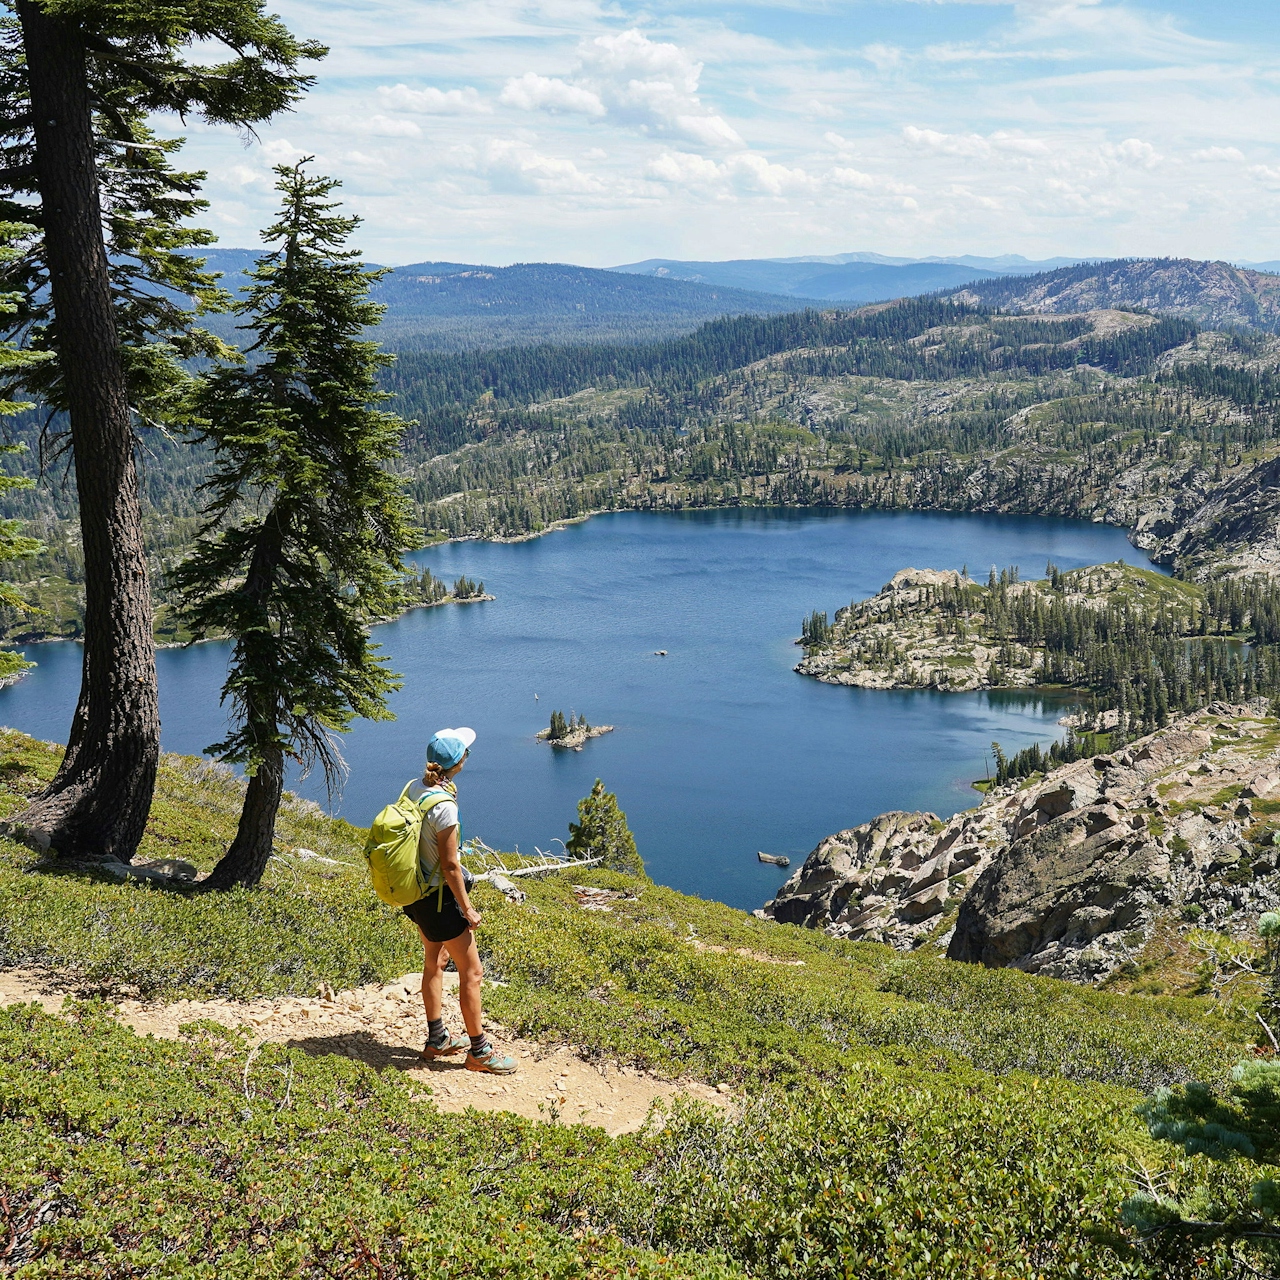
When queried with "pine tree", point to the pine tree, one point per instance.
{"points": [[602, 832], [14, 544], [296, 578], [78, 81], [559, 728]]}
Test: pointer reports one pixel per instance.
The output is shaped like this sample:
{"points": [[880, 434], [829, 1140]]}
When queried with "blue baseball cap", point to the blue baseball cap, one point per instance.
{"points": [[448, 746]]}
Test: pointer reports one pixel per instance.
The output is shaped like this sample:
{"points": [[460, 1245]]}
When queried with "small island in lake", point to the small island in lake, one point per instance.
{"points": [[572, 733], [427, 591]]}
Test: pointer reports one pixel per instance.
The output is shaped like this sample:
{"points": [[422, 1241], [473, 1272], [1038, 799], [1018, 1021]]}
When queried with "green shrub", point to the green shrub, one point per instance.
{"points": [[893, 1174], [905, 1116], [209, 1157], [137, 1157]]}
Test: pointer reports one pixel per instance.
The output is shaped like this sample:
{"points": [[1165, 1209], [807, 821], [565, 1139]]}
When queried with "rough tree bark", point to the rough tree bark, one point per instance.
{"points": [[97, 805], [246, 859]]}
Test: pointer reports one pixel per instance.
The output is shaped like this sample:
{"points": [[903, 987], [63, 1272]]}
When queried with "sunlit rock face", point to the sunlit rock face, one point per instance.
{"points": [[1069, 874]]}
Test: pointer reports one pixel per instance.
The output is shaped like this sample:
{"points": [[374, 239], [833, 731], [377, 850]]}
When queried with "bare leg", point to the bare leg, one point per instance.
{"points": [[433, 962], [470, 972]]}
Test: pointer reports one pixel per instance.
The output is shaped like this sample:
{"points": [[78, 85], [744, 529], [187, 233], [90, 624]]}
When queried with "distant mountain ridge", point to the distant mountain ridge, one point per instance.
{"points": [[843, 277], [457, 306], [1215, 294]]}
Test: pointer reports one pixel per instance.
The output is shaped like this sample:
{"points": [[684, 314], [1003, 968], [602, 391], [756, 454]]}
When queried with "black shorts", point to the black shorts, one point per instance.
{"points": [[437, 915]]}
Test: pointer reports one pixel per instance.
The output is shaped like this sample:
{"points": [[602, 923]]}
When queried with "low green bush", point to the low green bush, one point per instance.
{"points": [[910, 1173], [663, 980], [209, 1157], [904, 1116], [313, 919], [137, 1157]]}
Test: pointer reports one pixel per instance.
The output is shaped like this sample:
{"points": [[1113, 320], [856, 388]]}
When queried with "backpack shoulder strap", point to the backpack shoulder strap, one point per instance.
{"points": [[436, 795]]}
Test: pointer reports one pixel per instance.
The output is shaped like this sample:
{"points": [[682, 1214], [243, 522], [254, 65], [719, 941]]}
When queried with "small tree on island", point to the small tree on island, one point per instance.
{"points": [[602, 832], [559, 726], [301, 546]]}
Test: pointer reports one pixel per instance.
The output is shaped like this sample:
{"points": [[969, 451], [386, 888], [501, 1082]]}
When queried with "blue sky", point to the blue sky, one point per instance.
{"points": [[602, 131]]}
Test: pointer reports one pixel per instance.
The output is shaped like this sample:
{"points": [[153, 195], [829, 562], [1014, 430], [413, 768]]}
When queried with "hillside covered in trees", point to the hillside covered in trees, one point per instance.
{"points": [[1142, 421], [460, 306], [1135, 646]]}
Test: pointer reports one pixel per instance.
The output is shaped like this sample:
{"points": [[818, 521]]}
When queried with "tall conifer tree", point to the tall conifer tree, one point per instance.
{"points": [[301, 549], [78, 79], [14, 544]]}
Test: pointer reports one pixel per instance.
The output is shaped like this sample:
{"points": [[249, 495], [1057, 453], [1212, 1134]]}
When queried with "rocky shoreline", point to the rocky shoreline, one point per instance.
{"points": [[1071, 874]]}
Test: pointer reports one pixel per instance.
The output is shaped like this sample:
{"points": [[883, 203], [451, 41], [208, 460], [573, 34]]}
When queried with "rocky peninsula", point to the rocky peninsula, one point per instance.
{"points": [[939, 629], [1073, 874]]}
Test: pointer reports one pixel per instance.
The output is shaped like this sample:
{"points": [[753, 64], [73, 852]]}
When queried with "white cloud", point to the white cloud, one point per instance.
{"points": [[683, 168], [973, 144], [883, 57], [431, 101], [1035, 126], [386, 127], [951, 144], [822, 109], [644, 84], [1233, 154], [756, 173], [532, 92], [1134, 151], [513, 164], [853, 178]]}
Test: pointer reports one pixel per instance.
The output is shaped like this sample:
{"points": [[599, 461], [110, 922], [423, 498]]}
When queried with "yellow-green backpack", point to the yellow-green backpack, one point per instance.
{"points": [[392, 849]]}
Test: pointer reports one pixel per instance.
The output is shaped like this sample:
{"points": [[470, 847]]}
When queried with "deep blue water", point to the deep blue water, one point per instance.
{"points": [[720, 748]]}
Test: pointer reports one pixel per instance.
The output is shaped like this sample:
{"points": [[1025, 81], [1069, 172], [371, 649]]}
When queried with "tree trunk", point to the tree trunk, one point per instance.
{"points": [[97, 804], [246, 860]]}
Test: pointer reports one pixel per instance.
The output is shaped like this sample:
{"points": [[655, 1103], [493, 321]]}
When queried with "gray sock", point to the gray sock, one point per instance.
{"points": [[436, 1033], [479, 1045]]}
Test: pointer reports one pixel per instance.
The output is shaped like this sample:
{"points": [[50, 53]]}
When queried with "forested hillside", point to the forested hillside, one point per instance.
{"points": [[1140, 420], [1117, 415], [457, 306]]}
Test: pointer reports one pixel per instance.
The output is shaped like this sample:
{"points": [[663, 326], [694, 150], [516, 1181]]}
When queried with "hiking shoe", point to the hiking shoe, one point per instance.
{"points": [[491, 1061], [450, 1044]]}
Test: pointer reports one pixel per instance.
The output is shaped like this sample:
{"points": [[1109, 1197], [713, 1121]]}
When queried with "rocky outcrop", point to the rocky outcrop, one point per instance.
{"points": [[889, 879], [1233, 527], [1215, 294], [576, 738], [1068, 875]]}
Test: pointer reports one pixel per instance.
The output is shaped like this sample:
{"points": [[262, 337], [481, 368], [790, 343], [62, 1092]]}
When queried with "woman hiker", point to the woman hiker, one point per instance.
{"points": [[444, 916]]}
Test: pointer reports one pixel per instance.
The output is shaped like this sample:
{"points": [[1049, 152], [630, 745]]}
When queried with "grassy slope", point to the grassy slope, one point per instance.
{"points": [[905, 1116]]}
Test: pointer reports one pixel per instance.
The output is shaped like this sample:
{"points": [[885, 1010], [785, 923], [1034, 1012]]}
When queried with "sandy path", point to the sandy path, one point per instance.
{"points": [[385, 1027]]}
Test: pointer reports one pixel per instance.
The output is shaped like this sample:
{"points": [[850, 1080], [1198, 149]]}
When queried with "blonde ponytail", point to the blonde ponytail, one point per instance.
{"points": [[434, 775]]}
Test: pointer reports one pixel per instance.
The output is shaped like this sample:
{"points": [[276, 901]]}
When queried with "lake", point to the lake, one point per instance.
{"points": [[720, 749]]}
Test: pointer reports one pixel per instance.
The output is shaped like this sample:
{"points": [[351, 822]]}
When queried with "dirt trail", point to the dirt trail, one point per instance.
{"points": [[385, 1026]]}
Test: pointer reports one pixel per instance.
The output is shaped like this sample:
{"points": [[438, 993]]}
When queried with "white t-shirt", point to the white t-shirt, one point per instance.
{"points": [[440, 817]]}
